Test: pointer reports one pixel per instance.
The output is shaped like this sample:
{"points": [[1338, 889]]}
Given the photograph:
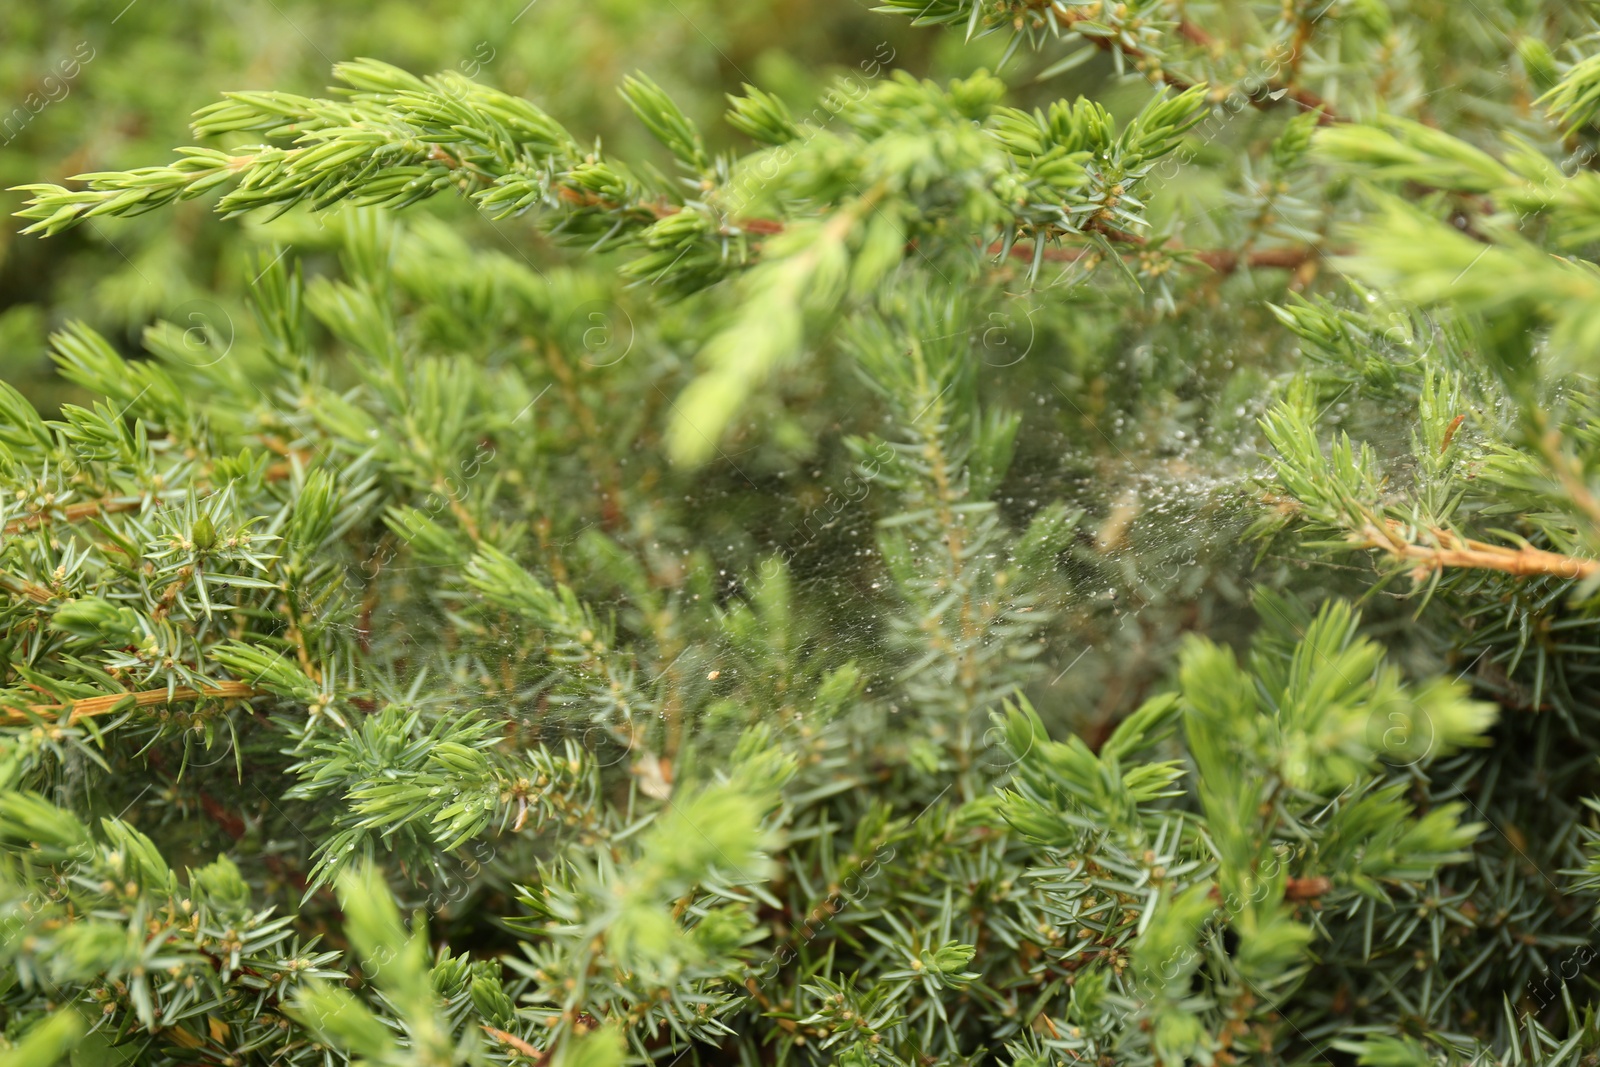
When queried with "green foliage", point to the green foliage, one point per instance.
{"points": [[915, 167], [640, 620]]}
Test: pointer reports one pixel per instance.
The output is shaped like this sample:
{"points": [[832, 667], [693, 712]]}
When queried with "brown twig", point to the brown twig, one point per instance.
{"points": [[1195, 35], [1274, 92], [74, 512], [1226, 261], [35, 592], [297, 637], [1271, 94], [515, 1043], [86, 509], [109, 702], [1453, 550], [1221, 260], [1305, 888], [1570, 473]]}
